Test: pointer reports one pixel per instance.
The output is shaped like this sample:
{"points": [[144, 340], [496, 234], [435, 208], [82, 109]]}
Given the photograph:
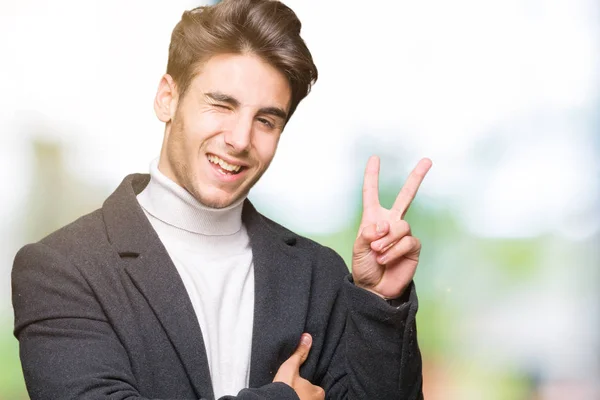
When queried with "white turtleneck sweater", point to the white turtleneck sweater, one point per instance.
{"points": [[211, 251]]}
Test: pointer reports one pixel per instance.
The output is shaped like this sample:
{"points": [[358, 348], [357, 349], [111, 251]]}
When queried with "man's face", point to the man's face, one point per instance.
{"points": [[224, 132]]}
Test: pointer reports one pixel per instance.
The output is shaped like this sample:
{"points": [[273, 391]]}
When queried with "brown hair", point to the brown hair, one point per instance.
{"points": [[266, 28]]}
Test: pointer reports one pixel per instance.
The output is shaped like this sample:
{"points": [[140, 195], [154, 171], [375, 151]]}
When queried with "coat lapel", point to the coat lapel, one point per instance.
{"points": [[282, 275], [154, 274]]}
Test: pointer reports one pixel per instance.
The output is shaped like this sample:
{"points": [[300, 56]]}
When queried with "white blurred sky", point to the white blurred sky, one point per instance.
{"points": [[430, 78]]}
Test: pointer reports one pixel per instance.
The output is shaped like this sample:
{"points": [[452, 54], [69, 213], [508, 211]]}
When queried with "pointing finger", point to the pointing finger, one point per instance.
{"points": [[371, 185]]}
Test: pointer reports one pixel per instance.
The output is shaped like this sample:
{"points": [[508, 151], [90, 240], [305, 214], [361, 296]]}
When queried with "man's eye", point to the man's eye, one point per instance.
{"points": [[266, 122], [222, 106]]}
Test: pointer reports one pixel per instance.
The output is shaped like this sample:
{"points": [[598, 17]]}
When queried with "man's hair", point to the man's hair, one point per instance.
{"points": [[265, 28]]}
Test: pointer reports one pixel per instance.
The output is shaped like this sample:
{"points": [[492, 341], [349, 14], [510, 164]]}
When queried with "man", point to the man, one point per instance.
{"points": [[178, 288]]}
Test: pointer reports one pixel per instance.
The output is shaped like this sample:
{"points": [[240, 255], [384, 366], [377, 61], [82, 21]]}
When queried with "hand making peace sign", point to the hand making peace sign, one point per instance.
{"points": [[385, 254]]}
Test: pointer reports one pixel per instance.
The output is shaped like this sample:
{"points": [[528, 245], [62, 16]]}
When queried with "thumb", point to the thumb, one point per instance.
{"points": [[290, 369], [301, 353], [368, 234]]}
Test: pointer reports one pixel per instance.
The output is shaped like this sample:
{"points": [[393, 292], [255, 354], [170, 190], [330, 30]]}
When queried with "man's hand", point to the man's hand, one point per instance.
{"points": [[385, 254], [289, 372]]}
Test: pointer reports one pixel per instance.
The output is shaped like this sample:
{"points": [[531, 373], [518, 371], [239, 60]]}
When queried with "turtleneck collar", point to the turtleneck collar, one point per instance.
{"points": [[175, 206]]}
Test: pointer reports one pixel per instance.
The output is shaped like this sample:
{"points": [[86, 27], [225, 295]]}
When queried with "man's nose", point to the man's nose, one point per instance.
{"points": [[240, 135]]}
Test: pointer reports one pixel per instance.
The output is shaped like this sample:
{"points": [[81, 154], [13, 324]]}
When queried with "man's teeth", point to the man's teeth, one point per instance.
{"points": [[223, 164]]}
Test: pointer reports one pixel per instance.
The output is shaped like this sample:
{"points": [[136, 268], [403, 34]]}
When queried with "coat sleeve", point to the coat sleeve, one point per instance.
{"points": [[374, 354], [68, 348]]}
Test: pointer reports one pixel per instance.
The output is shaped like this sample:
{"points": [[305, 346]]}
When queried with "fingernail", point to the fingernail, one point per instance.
{"points": [[306, 340], [378, 228], [382, 259]]}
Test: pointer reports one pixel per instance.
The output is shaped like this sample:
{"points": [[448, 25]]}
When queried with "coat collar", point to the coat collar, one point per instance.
{"points": [[282, 273]]}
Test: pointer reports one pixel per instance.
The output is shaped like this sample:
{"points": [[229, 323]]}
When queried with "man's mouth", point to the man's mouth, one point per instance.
{"points": [[224, 167]]}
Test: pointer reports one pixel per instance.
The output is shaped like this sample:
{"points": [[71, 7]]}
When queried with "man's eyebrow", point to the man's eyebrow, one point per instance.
{"points": [[222, 98], [275, 111], [225, 98]]}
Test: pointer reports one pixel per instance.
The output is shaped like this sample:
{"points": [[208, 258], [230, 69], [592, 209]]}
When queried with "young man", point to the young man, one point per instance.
{"points": [[178, 288]]}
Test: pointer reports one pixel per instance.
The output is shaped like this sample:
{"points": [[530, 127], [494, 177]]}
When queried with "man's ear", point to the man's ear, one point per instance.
{"points": [[165, 102]]}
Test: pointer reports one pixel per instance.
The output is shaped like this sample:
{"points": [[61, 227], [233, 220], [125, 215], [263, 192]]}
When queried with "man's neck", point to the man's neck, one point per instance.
{"points": [[173, 205]]}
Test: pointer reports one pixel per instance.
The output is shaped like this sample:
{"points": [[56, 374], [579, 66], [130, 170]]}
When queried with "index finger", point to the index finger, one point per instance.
{"points": [[411, 186], [371, 184]]}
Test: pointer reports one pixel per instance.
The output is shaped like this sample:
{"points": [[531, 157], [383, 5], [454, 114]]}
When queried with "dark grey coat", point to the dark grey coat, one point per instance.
{"points": [[101, 312]]}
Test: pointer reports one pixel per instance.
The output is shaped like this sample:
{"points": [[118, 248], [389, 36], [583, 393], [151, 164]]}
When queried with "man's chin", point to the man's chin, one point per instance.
{"points": [[217, 205], [219, 200]]}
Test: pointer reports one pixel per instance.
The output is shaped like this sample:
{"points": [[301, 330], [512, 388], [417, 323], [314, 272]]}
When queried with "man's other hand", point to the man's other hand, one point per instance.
{"points": [[289, 372], [385, 253]]}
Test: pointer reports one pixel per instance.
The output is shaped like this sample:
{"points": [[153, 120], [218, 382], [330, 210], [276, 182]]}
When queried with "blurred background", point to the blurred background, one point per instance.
{"points": [[502, 95]]}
